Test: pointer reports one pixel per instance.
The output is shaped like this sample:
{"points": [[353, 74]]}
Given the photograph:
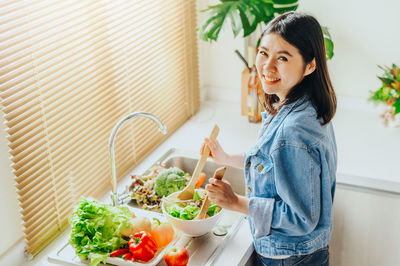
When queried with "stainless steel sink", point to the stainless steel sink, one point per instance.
{"points": [[187, 161]]}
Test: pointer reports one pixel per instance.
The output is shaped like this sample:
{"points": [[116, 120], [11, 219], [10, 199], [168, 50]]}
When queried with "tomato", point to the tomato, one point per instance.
{"points": [[176, 256]]}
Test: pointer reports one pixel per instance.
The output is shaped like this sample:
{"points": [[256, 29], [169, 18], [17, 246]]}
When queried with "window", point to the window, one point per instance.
{"points": [[69, 71]]}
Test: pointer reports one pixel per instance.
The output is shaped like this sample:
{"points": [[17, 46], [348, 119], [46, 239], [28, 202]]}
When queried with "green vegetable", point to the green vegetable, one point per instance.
{"points": [[97, 258], [213, 209], [174, 210], [196, 195], [189, 212], [169, 181], [96, 229]]}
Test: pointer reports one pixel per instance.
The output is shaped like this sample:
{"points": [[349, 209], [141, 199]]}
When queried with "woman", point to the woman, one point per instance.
{"points": [[291, 171]]}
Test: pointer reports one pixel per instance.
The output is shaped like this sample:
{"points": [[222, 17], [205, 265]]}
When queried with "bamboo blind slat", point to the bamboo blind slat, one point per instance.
{"points": [[69, 70]]}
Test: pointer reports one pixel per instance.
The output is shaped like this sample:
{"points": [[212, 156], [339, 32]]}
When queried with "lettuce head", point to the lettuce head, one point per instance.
{"points": [[169, 181], [96, 229]]}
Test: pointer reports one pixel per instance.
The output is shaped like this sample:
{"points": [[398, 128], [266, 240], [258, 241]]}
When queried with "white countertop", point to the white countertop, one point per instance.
{"points": [[367, 158], [234, 129]]}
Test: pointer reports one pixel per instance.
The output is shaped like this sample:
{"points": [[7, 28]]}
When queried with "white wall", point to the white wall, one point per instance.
{"points": [[365, 35], [220, 67]]}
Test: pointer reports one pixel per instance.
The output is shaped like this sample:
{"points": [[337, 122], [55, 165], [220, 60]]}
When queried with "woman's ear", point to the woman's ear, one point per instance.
{"points": [[310, 67]]}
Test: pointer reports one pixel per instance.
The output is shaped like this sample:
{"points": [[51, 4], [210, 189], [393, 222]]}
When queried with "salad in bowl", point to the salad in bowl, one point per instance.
{"points": [[182, 213]]}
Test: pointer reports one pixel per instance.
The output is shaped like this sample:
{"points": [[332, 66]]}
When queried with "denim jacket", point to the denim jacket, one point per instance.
{"points": [[291, 177]]}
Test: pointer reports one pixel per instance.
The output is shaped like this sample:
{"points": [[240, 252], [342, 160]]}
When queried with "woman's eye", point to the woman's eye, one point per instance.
{"points": [[283, 58], [263, 53]]}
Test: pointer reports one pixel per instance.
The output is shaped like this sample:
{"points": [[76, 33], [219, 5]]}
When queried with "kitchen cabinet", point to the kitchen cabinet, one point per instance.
{"points": [[366, 228]]}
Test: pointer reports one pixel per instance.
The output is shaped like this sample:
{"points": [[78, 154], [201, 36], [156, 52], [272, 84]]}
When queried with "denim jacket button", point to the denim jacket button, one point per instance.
{"points": [[260, 167], [248, 164], [249, 189]]}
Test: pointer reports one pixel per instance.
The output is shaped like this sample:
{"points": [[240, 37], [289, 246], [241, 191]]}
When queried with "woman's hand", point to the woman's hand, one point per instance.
{"points": [[221, 193], [217, 153]]}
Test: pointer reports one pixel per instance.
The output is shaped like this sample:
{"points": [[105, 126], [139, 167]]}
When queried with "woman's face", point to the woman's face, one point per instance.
{"points": [[280, 66]]}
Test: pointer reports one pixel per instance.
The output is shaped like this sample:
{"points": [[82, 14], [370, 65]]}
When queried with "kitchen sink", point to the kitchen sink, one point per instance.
{"points": [[187, 162], [203, 250]]}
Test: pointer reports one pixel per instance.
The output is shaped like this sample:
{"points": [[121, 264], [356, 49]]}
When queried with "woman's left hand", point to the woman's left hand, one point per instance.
{"points": [[221, 193]]}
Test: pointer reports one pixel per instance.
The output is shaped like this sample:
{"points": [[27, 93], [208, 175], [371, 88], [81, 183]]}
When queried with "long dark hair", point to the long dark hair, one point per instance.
{"points": [[305, 33]]}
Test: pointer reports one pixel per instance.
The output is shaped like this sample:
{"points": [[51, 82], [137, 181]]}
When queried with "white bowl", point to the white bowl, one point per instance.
{"points": [[192, 227]]}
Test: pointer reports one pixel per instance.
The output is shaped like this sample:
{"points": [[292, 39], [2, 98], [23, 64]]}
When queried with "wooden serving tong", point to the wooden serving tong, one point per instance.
{"points": [[188, 191], [219, 174]]}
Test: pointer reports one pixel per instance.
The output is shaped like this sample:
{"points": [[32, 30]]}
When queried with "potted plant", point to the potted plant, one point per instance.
{"points": [[389, 94], [247, 15]]}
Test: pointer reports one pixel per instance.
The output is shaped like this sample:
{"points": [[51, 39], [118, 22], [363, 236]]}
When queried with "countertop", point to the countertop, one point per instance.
{"points": [[234, 129], [367, 158]]}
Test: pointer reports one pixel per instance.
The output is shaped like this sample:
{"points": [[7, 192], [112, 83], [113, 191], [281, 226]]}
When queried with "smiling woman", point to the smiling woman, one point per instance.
{"points": [[70, 71]]}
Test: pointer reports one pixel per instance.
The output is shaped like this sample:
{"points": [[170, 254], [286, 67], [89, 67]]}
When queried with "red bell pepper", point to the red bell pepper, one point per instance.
{"points": [[142, 246], [176, 256], [119, 252], [127, 256]]}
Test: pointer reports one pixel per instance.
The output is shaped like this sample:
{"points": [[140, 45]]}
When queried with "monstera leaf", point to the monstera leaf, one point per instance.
{"points": [[246, 15], [243, 14]]}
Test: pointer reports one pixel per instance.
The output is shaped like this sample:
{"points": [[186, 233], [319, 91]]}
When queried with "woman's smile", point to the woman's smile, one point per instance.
{"points": [[269, 79]]}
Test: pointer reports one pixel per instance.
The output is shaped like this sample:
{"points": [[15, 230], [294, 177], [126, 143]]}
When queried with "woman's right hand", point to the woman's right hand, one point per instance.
{"points": [[217, 153]]}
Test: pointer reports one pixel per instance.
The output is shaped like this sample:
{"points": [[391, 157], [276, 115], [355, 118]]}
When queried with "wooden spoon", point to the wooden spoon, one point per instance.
{"points": [[187, 192], [219, 174]]}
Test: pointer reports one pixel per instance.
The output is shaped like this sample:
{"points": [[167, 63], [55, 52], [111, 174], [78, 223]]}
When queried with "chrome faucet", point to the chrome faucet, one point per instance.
{"points": [[161, 128]]}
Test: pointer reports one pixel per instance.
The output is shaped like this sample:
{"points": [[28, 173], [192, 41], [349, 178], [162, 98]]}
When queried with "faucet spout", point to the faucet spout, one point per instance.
{"points": [[161, 128]]}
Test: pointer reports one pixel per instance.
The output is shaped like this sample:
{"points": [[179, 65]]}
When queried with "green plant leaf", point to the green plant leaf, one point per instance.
{"points": [[248, 18], [325, 31], [282, 6], [386, 80], [267, 12], [396, 106], [380, 95], [246, 15], [328, 48], [235, 22], [388, 72], [285, 2], [216, 19], [281, 10]]}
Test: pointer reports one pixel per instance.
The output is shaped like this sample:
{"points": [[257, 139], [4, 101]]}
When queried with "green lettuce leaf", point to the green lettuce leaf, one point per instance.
{"points": [[213, 209], [189, 212], [96, 229]]}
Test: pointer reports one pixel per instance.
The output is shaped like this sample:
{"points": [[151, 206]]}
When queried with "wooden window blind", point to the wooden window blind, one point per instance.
{"points": [[69, 71]]}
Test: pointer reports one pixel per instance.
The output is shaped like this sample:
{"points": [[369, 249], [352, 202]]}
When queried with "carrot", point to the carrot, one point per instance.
{"points": [[201, 179]]}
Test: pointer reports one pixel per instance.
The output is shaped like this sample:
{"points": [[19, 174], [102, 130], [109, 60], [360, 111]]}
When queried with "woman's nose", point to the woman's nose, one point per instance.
{"points": [[269, 65]]}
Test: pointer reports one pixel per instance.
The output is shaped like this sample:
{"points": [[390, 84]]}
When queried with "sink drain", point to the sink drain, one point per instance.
{"points": [[220, 230]]}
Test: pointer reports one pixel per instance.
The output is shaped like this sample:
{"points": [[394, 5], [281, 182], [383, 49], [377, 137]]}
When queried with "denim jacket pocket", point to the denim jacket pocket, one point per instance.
{"points": [[263, 177], [264, 167]]}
